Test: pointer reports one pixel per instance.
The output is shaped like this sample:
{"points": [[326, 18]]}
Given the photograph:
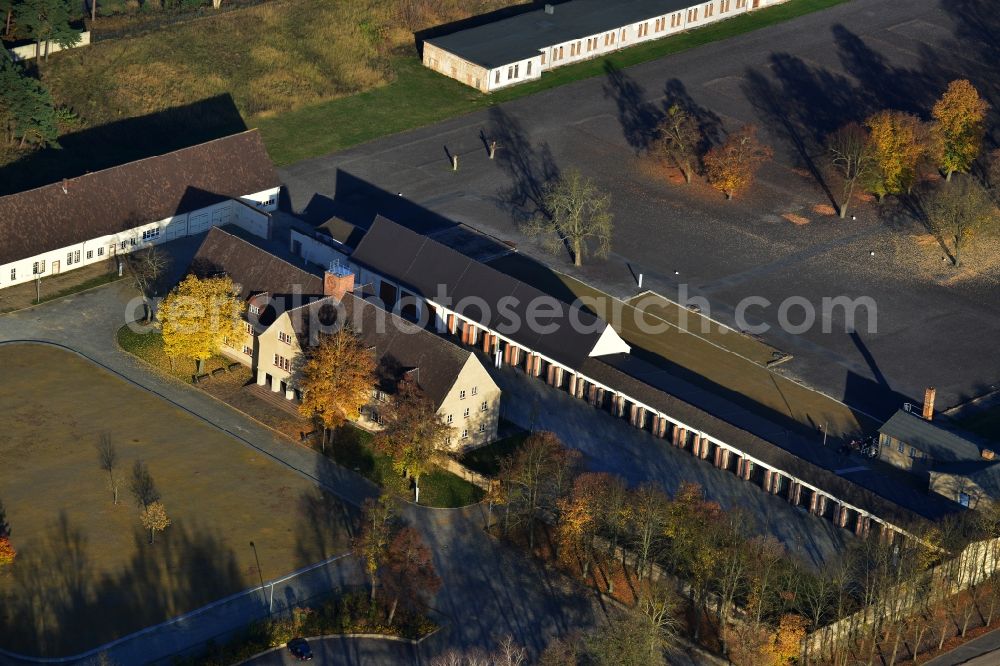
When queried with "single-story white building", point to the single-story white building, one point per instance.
{"points": [[91, 218], [519, 48]]}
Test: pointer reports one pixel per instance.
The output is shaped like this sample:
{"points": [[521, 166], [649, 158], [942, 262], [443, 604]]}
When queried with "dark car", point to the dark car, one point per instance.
{"points": [[300, 649]]}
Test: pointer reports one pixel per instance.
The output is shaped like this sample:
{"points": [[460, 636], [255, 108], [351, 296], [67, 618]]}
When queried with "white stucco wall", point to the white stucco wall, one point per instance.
{"points": [[102, 248]]}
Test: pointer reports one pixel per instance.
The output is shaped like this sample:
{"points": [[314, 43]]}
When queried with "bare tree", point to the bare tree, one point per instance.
{"points": [[678, 137], [107, 456], [958, 213], [575, 214], [852, 160], [141, 485], [146, 268]]}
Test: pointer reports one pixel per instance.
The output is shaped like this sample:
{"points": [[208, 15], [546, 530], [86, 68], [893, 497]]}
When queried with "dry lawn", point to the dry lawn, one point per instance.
{"points": [[85, 573], [270, 58]]}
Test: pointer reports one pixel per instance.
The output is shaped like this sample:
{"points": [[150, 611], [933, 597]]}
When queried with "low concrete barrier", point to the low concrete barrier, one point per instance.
{"points": [[27, 51]]}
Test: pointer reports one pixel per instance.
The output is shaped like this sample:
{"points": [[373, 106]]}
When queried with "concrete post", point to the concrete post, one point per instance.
{"points": [[717, 458], [706, 447], [261, 378], [696, 447], [289, 394], [454, 162], [275, 385]]}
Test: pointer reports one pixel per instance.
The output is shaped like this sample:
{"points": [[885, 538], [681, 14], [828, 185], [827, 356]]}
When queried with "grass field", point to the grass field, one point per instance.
{"points": [[486, 460], [352, 448], [85, 573], [314, 75], [417, 96]]}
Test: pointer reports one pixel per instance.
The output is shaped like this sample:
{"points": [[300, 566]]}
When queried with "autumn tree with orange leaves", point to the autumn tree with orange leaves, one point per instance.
{"points": [[408, 574], [336, 379], [959, 126], [7, 552], [581, 518], [732, 167], [413, 432], [898, 143]]}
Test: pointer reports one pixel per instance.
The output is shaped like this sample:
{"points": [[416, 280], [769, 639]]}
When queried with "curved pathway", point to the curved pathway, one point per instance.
{"points": [[488, 591]]}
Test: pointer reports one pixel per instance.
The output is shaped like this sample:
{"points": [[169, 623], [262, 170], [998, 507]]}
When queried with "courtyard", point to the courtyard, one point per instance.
{"points": [[85, 572]]}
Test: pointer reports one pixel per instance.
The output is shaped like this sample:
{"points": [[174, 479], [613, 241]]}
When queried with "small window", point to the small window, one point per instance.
{"points": [[69, 258], [497, 80], [527, 70], [482, 427], [483, 407], [475, 390], [465, 414], [963, 499], [465, 434], [461, 395], [248, 350], [13, 274], [287, 339], [255, 309], [38, 268], [248, 327], [90, 255], [100, 251], [901, 446], [450, 419], [543, 57], [124, 244], [510, 73], [913, 452], [560, 53], [517, 67], [133, 241]]}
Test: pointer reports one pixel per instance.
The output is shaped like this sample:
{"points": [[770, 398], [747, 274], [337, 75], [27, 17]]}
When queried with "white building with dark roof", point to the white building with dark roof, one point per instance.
{"points": [[91, 218], [519, 48]]}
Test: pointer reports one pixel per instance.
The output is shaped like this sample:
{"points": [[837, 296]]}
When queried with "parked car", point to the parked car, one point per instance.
{"points": [[300, 649]]}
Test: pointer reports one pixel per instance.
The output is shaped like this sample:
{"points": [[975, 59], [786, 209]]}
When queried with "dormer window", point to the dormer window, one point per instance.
{"points": [[254, 309]]}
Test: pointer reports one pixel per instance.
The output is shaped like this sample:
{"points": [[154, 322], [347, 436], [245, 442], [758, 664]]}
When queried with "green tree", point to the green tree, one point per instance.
{"points": [[27, 114], [47, 21], [575, 214], [413, 432]]}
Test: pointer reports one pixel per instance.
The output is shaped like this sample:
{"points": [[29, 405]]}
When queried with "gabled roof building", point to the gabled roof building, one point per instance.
{"points": [[519, 48], [92, 218]]}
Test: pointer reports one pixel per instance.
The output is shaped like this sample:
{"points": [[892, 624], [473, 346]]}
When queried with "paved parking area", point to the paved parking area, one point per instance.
{"points": [[798, 81]]}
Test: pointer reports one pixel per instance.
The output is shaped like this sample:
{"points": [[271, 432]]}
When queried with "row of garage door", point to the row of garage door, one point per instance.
{"points": [[199, 221]]}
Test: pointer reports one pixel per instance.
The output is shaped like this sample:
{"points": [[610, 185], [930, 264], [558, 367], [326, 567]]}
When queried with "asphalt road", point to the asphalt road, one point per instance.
{"points": [[983, 651], [797, 81]]}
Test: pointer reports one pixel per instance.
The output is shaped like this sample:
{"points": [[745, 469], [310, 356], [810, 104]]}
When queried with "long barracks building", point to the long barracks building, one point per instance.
{"points": [[585, 357]]}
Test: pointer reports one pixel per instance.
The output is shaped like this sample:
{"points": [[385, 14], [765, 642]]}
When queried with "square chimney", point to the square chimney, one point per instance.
{"points": [[338, 280], [929, 395]]}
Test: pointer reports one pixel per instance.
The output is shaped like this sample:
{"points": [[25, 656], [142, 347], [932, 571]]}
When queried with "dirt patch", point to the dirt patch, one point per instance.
{"points": [[928, 260], [797, 220], [824, 209]]}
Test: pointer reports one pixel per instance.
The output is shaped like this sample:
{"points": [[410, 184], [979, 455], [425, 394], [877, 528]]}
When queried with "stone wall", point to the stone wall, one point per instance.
{"points": [[27, 51]]}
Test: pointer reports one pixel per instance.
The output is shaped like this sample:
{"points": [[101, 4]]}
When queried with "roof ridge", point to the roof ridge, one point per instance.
{"points": [[264, 250], [89, 174]]}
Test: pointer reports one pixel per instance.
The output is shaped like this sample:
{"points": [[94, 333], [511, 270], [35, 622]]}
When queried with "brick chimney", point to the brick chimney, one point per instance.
{"points": [[929, 396], [337, 281]]}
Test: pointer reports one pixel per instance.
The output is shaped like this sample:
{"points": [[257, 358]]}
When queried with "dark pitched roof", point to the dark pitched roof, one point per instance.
{"points": [[523, 36], [106, 202], [400, 346], [714, 415], [429, 268], [341, 231], [252, 267], [942, 441]]}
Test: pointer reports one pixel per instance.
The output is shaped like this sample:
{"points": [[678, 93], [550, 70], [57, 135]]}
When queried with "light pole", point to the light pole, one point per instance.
{"points": [[260, 574]]}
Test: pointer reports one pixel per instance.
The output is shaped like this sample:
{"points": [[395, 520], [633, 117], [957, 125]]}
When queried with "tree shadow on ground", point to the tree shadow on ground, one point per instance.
{"points": [[529, 167], [638, 117], [59, 604]]}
